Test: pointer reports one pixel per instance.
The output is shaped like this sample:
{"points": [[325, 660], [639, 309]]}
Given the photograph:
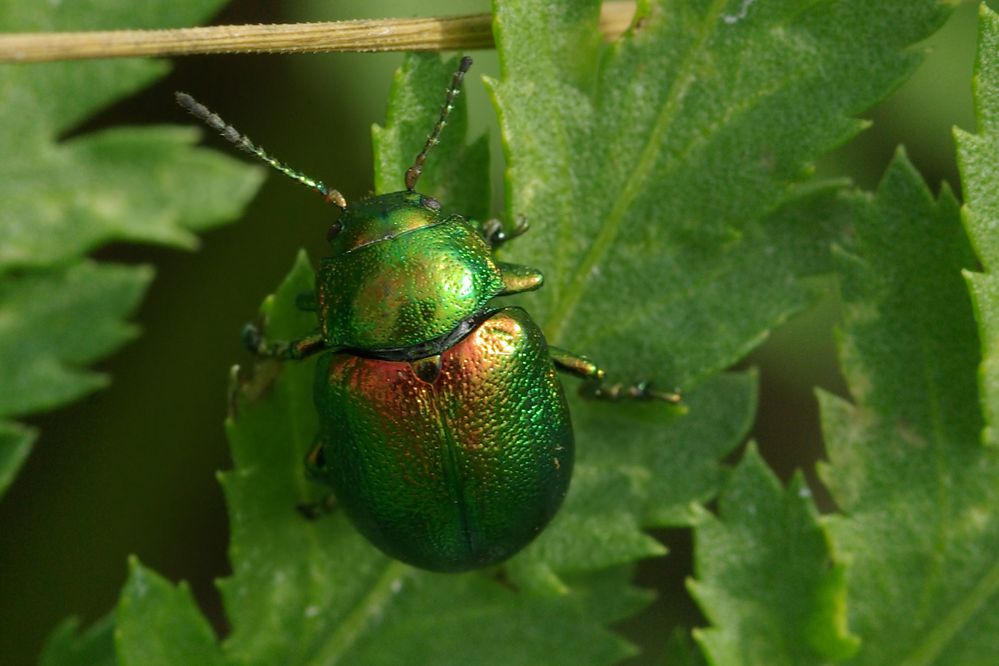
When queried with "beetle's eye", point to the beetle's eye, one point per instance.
{"points": [[430, 203], [334, 229]]}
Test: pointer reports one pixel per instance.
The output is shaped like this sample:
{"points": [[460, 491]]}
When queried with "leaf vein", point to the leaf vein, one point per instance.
{"points": [[371, 605], [626, 196], [947, 625]]}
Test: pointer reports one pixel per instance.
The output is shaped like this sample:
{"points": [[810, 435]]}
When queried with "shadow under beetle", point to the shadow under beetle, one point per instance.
{"points": [[444, 430]]}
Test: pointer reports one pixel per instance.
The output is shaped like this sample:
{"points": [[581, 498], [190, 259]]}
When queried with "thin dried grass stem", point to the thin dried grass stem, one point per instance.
{"points": [[450, 33]]}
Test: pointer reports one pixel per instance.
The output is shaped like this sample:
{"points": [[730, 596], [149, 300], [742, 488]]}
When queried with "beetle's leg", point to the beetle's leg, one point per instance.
{"points": [[517, 278], [593, 377], [575, 364], [253, 339], [315, 469], [315, 462], [306, 301], [318, 509], [494, 233], [638, 391]]}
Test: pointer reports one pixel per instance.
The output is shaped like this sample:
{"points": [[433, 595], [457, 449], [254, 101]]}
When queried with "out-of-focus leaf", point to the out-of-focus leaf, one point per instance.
{"points": [[15, 444], [65, 194], [68, 646], [681, 651], [53, 323]]}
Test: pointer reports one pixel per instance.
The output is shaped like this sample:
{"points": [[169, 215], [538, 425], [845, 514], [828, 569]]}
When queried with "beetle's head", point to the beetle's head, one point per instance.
{"points": [[380, 218]]}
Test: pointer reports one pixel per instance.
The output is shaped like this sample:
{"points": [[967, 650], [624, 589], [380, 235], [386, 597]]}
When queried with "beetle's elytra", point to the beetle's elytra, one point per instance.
{"points": [[444, 430]]}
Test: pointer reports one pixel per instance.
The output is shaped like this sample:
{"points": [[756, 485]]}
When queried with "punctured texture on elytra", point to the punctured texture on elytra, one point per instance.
{"points": [[455, 473]]}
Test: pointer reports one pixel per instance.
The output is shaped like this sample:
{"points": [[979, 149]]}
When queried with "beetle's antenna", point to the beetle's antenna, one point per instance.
{"points": [[229, 133], [413, 173]]}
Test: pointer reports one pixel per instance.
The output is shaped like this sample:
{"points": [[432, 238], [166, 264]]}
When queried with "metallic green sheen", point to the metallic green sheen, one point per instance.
{"points": [[454, 473], [405, 289], [383, 216]]}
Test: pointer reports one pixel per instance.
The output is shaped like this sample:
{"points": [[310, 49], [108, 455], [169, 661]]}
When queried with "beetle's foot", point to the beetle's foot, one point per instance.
{"points": [[639, 391], [253, 338], [520, 227], [316, 510], [494, 233], [315, 462]]}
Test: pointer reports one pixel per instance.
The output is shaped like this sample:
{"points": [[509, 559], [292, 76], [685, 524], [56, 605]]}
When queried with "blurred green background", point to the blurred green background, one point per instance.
{"points": [[131, 469]]}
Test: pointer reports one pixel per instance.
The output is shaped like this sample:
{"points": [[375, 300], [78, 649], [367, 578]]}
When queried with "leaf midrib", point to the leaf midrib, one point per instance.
{"points": [[634, 185], [372, 604], [949, 624], [945, 628]]}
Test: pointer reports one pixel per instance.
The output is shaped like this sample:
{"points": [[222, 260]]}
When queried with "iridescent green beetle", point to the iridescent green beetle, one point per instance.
{"points": [[444, 430]]}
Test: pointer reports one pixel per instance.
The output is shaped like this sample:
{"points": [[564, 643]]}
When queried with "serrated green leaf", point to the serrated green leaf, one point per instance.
{"points": [[918, 532], [649, 168], [63, 197], [68, 646], [978, 158], [681, 651], [15, 444], [53, 323], [159, 623], [455, 173], [764, 576], [978, 154]]}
